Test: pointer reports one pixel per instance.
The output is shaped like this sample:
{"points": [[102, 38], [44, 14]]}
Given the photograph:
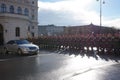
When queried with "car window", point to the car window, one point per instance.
{"points": [[22, 42], [11, 42]]}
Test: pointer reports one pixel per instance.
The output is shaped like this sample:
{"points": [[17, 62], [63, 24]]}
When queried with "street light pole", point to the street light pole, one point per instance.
{"points": [[101, 2], [100, 13]]}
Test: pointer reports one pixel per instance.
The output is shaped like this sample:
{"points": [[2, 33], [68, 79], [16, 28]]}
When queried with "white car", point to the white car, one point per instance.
{"points": [[21, 47]]}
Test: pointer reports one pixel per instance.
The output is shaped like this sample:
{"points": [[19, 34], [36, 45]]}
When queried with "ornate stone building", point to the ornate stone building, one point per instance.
{"points": [[18, 19], [90, 29]]}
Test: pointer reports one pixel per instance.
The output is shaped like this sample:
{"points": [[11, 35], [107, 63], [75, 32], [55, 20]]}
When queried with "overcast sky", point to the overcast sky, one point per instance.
{"points": [[78, 12]]}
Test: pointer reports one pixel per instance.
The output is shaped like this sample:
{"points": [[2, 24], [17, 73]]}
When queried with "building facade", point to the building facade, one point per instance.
{"points": [[50, 30], [89, 29], [18, 19]]}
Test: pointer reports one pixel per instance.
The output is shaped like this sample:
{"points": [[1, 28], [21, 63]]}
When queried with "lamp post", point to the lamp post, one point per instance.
{"points": [[101, 2]]}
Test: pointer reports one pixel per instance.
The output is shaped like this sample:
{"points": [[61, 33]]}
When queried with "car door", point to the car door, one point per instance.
{"points": [[9, 45], [14, 46]]}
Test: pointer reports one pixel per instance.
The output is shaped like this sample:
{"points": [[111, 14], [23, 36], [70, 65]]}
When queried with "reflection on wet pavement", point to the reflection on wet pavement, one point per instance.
{"points": [[61, 65]]}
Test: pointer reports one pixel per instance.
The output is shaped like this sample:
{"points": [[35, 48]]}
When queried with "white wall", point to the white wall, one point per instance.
{"points": [[11, 25]]}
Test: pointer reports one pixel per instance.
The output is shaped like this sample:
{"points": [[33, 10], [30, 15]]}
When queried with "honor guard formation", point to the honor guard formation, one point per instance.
{"points": [[102, 43]]}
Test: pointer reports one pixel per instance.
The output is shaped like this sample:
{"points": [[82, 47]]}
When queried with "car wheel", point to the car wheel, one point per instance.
{"points": [[5, 51], [19, 51]]}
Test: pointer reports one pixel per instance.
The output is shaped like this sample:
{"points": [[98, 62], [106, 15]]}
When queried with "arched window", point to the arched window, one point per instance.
{"points": [[19, 10], [3, 8], [17, 32], [11, 9], [26, 12]]}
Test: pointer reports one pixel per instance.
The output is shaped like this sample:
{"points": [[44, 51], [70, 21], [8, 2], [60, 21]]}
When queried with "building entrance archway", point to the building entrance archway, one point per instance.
{"points": [[1, 35]]}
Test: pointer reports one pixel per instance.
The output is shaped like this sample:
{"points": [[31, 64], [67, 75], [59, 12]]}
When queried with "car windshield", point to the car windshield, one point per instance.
{"points": [[22, 42]]}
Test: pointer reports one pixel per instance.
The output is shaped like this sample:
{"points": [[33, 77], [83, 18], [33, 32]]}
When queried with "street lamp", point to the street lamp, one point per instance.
{"points": [[101, 2]]}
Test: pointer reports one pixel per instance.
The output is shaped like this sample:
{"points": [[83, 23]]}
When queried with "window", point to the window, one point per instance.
{"points": [[26, 12], [11, 42], [33, 12], [33, 17], [19, 10], [11, 9], [22, 42], [19, 1], [32, 27], [32, 2], [17, 32], [3, 8], [33, 34], [28, 28]]}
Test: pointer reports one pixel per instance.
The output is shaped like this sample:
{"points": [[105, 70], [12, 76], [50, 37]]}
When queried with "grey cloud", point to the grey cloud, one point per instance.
{"points": [[56, 18]]}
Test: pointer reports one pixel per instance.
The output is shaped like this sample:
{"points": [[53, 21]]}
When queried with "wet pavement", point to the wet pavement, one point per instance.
{"points": [[57, 65]]}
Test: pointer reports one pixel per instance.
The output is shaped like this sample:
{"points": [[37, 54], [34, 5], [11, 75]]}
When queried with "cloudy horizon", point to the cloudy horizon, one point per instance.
{"points": [[75, 12]]}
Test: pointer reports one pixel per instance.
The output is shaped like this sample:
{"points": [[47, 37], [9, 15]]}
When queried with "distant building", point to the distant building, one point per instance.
{"points": [[88, 29], [50, 30], [18, 19]]}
